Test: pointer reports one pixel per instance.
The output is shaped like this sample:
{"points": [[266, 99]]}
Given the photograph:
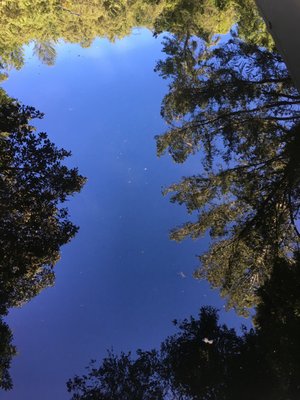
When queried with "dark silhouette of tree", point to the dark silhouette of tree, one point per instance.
{"points": [[207, 360], [237, 104], [204, 360], [120, 378], [7, 351], [194, 359], [278, 325], [34, 183]]}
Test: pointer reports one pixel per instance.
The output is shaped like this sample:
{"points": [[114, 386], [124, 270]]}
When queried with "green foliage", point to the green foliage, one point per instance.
{"points": [[251, 26], [237, 104], [202, 18], [34, 183], [45, 22]]}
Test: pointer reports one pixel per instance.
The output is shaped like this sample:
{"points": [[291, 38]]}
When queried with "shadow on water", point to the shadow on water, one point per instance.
{"points": [[231, 97]]}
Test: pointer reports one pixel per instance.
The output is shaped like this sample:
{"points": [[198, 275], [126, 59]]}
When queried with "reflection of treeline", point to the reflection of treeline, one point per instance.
{"points": [[207, 360], [34, 182], [234, 102], [46, 22]]}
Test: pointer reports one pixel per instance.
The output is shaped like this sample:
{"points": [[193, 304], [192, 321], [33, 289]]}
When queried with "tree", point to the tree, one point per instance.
{"points": [[45, 52], [190, 365], [278, 325], [207, 360], [7, 351], [236, 102], [193, 359], [34, 183], [44, 23], [120, 378], [203, 360], [251, 27], [202, 18]]}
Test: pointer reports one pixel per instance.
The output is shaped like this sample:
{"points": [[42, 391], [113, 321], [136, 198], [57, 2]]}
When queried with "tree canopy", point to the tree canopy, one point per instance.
{"points": [[233, 100], [120, 377], [205, 359], [7, 352], [236, 103], [34, 183], [44, 23]]}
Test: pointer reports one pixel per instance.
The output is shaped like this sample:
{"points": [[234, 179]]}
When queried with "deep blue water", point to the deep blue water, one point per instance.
{"points": [[121, 281]]}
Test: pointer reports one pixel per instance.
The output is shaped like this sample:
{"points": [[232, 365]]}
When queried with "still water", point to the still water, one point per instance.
{"points": [[217, 91], [121, 281]]}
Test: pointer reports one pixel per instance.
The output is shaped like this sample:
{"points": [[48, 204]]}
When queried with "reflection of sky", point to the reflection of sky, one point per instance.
{"points": [[121, 281]]}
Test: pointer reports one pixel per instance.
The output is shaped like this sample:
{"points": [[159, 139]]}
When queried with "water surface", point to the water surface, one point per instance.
{"points": [[121, 281]]}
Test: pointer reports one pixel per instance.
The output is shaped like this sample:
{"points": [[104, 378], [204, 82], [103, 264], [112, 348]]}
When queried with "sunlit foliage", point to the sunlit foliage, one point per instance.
{"points": [[44, 23], [201, 18], [237, 104]]}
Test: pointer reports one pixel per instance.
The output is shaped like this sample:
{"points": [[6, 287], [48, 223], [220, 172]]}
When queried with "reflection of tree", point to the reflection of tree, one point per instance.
{"points": [[235, 102], [7, 351], [34, 182], [278, 324], [207, 360], [45, 51], [45, 22], [201, 18], [120, 377], [33, 226]]}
